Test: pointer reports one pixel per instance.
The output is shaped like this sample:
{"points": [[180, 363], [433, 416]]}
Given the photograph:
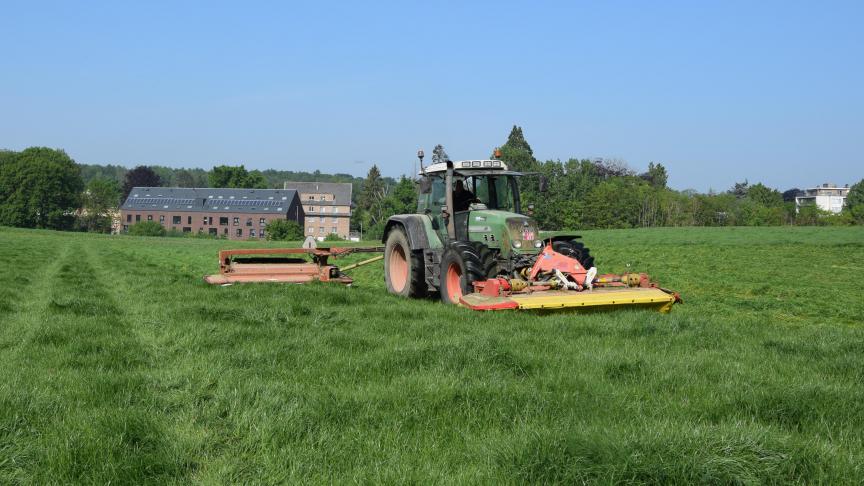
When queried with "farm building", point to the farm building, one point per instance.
{"points": [[327, 206], [232, 213]]}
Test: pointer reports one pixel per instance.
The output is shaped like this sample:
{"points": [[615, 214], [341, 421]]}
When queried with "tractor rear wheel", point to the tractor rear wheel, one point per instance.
{"points": [[575, 249], [404, 272], [462, 264]]}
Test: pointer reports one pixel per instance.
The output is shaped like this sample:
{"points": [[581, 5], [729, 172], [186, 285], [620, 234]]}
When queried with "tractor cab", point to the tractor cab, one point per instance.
{"points": [[476, 200]]}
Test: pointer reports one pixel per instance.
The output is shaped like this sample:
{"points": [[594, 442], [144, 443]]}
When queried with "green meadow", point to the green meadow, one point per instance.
{"points": [[118, 364]]}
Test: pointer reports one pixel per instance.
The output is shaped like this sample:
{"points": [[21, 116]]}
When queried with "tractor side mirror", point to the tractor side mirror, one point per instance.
{"points": [[544, 184], [425, 185]]}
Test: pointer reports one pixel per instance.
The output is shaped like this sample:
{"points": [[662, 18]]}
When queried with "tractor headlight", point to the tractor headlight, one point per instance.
{"points": [[538, 243], [517, 244]]}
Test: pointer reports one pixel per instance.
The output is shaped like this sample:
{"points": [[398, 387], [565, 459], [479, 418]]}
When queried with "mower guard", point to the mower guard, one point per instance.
{"points": [[598, 298]]}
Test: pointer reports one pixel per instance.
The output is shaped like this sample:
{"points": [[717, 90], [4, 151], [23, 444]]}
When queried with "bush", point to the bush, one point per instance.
{"points": [[147, 228], [284, 230], [333, 237]]}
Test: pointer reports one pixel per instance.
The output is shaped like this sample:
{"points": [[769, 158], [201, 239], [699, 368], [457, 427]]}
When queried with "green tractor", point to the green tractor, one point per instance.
{"points": [[469, 227]]}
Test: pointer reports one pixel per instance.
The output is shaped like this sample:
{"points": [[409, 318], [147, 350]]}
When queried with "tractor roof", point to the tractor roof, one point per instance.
{"points": [[463, 165]]}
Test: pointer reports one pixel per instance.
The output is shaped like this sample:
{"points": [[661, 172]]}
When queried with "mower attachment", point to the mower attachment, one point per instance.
{"points": [[285, 265], [557, 281], [562, 299]]}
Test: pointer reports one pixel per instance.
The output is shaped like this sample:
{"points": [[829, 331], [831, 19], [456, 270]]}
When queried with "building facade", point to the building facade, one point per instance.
{"points": [[827, 197], [230, 213], [327, 206]]}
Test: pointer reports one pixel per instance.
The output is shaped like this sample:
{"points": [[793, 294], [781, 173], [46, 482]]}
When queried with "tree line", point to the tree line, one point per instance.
{"points": [[44, 188], [588, 194]]}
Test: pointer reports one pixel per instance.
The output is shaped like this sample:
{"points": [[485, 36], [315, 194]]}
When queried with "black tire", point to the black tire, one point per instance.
{"points": [[409, 281], [575, 249], [473, 261]]}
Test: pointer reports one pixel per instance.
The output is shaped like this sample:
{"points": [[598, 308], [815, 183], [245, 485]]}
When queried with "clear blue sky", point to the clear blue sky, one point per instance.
{"points": [[718, 92]]}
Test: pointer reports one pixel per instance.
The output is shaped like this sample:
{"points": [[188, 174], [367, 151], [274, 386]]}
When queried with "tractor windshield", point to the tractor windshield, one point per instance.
{"points": [[495, 191]]}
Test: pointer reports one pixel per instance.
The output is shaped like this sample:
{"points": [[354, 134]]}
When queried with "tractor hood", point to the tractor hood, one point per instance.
{"points": [[512, 231]]}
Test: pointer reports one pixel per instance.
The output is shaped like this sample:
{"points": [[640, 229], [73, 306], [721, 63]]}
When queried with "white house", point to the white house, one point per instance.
{"points": [[827, 197]]}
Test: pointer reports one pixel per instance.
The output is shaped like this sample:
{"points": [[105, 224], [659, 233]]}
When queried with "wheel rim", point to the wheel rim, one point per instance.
{"points": [[454, 282], [398, 268]]}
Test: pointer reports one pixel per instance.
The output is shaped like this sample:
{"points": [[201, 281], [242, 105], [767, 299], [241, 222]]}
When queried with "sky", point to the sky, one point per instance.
{"points": [[718, 92]]}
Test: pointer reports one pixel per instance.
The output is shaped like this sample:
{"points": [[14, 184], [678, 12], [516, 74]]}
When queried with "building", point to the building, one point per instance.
{"points": [[327, 206], [827, 197], [231, 213]]}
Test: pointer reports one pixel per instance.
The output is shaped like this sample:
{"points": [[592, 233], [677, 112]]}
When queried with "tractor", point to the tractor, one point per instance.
{"points": [[471, 242]]}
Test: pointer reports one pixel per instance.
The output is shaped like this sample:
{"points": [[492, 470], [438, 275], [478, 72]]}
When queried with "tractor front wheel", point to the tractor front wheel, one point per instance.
{"points": [[462, 264], [404, 272], [575, 249]]}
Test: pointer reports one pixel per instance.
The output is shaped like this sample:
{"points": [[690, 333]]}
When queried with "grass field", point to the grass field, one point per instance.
{"points": [[120, 365]]}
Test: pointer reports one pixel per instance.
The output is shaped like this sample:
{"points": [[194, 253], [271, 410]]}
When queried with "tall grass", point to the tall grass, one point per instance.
{"points": [[121, 365]]}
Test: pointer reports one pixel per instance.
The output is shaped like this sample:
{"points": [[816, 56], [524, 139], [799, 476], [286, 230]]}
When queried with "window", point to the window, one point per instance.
{"points": [[223, 221], [137, 218], [323, 198], [175, 219], [320, 230], [161, 219], [187, 229], [323, 219], [248, 221], [128, 218], [335, 209], [262, 222], [205, 221], [225, 230], [323, 209], [189, 220], [311, 197], [212, 231], [149, 217], [261, 234], [252, 232], [335, 220], [125, 227], [311, 229], [239, 231], [333, 229], [311, 209], [236, 221]]}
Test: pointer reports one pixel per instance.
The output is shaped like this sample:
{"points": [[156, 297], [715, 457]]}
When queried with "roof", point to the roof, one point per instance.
{"points": [[258, 201], [341, 191], [466, 164]]}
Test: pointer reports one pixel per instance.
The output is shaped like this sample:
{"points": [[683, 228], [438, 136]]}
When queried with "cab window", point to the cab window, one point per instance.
{"points": [[439, 193]]}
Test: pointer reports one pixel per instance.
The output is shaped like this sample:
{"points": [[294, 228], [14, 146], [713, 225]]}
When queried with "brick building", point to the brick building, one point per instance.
{"points": [[232, 213], [327, 206]]}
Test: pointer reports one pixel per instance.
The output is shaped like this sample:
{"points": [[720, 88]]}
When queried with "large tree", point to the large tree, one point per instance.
{"points": [[656, 175], [439, 155], [184, 178], [764, 195], [516, 152], [98, 202], [373, 191], [141, 176], [39, 188], [237, 177], [855, 202], [516, 140]]}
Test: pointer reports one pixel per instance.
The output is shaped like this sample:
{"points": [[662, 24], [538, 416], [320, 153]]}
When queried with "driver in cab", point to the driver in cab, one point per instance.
{"points": [[462, 198]]}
